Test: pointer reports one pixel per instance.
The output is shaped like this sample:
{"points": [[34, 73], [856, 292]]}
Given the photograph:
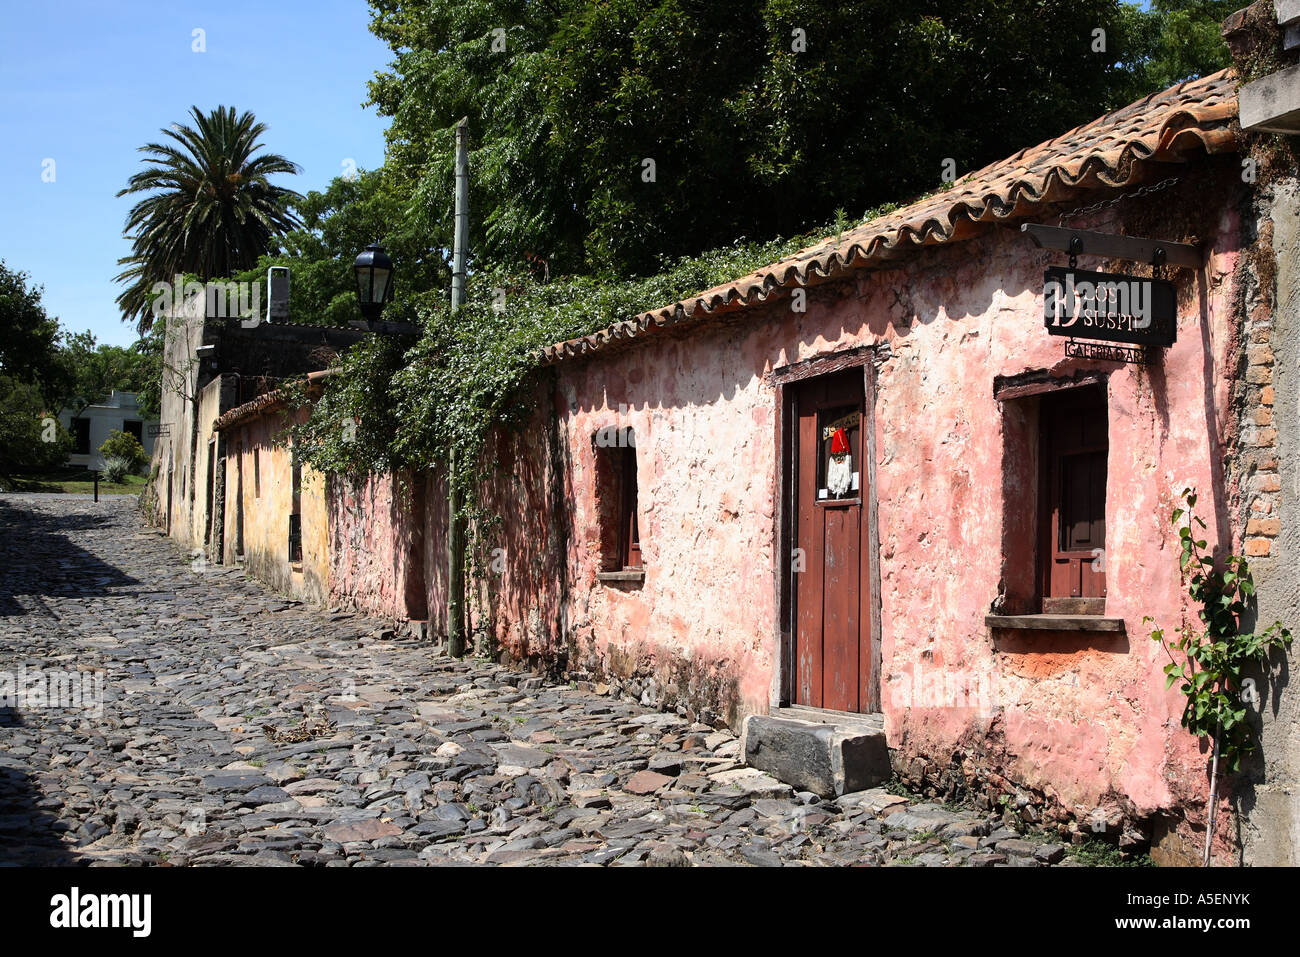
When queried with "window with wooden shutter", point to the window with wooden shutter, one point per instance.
{"points": [[631, 534], [1073, 452], [295, 514], [616, 506]]}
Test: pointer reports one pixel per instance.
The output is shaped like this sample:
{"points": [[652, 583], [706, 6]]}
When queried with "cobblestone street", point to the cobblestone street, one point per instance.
{"points": [[238, 727]]}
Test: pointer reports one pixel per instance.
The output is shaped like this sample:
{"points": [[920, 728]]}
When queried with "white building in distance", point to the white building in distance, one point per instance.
{"points": [[91, 427]]}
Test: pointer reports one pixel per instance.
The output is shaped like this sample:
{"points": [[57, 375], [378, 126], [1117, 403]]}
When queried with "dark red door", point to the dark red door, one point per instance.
{"points": [[832, 666]]}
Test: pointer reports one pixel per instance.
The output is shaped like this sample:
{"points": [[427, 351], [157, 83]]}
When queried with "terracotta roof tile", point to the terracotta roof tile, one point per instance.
{"points": [[268, 402], [1114, 151]]}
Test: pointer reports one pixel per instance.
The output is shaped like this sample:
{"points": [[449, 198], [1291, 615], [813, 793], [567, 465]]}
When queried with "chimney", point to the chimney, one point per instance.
{"points": [[277, 294]]}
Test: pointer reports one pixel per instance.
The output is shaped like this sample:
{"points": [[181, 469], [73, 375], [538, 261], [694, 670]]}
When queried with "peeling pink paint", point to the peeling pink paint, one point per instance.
{"points": [[1081, 717], [371, 529]]}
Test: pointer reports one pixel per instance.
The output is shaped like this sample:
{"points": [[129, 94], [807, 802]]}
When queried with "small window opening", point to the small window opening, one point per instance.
{"points": [[295, 516], [630, 545], [1055, 447], [617, 502], [1072, 553]]}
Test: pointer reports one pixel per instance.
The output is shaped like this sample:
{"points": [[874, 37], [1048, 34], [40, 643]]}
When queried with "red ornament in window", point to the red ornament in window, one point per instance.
{"points": [[839, 470]]}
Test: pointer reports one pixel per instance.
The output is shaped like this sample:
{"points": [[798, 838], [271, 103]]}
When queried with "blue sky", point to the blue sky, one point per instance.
{"points": [[86, 83]]}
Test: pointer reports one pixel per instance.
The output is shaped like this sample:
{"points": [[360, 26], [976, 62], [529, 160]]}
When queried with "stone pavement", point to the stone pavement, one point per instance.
{"points": [[238, 727]]}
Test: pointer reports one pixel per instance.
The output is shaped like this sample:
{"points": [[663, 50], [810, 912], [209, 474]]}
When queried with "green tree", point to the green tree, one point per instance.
{"points": [[28, 337], [149, 348], [30, 435], [125, 446], [337, 224], [1181, 39], [525, 204], [210, 207], [761, 117], [92, 371]]}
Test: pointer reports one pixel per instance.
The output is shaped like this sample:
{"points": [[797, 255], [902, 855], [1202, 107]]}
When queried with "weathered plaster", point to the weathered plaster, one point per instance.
{"points": [[1085, 720], [267, 504], [1269, 799], [372, 532]]}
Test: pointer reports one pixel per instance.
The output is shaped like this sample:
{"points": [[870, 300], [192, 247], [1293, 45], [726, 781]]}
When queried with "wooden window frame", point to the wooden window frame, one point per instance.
{"points": [[1053, 449], [628, 522], [295, 511], [1020, 607], [1027, 463], [616, 495]]}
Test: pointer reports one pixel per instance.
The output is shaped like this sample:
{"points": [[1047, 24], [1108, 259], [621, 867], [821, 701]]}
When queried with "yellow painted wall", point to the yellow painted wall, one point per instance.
{"points": [[258, 449]]}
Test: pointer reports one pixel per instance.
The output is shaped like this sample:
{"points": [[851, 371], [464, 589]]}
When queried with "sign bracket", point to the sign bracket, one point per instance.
{"points": [[1082, 242]]}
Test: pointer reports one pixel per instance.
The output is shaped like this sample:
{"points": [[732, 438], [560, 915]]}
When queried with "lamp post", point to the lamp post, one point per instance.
{"points": [[374, 271]]}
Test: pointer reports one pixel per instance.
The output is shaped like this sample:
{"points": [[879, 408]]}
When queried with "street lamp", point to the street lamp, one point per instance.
{"points": [[374, 280]]}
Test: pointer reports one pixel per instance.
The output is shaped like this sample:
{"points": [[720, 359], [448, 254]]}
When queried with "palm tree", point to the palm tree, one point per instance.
{"points": [[211, 209]]}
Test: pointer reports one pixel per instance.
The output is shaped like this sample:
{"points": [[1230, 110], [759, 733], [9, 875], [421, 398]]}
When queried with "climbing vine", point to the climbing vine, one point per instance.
{"points": [[1210, 657], [433, 399]]}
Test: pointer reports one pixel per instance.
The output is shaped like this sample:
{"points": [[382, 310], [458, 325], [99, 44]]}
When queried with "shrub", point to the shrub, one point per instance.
{"points": [[117, 468], [125, 446]]}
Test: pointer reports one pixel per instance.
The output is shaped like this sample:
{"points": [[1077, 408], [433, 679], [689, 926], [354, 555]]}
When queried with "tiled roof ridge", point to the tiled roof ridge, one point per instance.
{"points": [[267, 401], [1110, 151]]}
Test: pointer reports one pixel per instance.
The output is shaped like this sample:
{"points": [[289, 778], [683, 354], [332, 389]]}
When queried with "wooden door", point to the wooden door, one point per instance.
{"points": [[832, 660], [239, 500]]}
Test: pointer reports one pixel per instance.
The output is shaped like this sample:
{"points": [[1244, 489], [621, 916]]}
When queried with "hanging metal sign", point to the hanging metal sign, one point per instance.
{"points": [[1109, 307]]}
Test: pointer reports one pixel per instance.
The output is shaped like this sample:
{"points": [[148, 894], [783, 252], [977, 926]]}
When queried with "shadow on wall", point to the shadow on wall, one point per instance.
{"points": [[524, 556], [1271, 681]]}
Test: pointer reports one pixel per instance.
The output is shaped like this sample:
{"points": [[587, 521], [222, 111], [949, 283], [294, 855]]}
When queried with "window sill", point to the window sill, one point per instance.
{"points": [[837, 502], [627, 575], [1055, 623]]}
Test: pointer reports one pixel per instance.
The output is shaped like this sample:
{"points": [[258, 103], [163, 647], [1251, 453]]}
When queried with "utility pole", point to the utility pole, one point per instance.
{"points": [[455, 522]]}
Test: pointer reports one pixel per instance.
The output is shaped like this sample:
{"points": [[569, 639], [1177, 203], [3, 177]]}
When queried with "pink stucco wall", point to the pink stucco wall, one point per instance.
{"points": [[375, 524], [1083, 718], [703, 424]]}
